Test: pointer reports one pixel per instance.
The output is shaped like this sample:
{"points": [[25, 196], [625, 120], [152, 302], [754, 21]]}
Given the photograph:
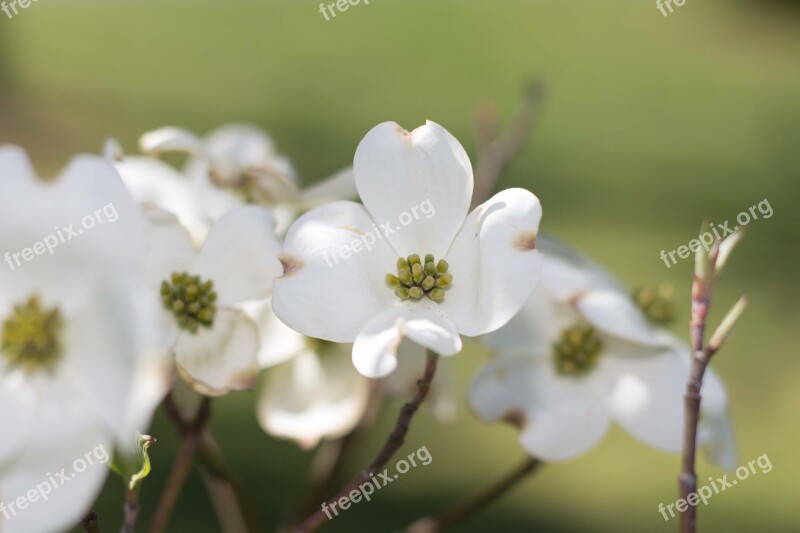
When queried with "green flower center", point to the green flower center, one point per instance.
{"points": [[191, 300], [31, 336], [416, 278], [657, 303], [578, 350]]}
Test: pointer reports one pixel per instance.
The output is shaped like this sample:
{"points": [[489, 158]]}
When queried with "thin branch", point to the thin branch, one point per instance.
{"points": [[229, 499], [332, 455], [131, 511], [707, 268], [495, 155], [461, 512], [181, 468], [393, 443], [91, 523]]}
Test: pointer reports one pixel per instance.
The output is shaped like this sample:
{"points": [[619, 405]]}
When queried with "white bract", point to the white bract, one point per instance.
{"points": [[456, 273], [81, 365], [216, 344], [580, 354], [233, 165]]}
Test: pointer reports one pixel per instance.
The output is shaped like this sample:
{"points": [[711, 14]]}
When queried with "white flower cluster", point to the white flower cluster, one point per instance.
{"points": [[208, 276]]}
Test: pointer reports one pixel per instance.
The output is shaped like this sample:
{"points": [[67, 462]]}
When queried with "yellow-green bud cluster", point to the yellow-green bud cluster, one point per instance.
{"points": [[31, 336], [578, 350], [192, 300], [657, 303], [417, 278]]}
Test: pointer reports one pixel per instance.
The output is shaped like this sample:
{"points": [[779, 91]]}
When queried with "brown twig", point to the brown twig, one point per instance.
{"points": [[496, 153], [227, 495], [331, 458], [181, 467], [131, 511], [91, 523], [707, 267], [461, 512], [393, 443]]}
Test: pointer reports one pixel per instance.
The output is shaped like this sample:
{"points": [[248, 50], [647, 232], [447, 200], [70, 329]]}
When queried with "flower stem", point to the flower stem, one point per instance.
{"points": [[227, 496], [701, 300], [462, 511], [131, 511], [181, 468], [393, 443]]}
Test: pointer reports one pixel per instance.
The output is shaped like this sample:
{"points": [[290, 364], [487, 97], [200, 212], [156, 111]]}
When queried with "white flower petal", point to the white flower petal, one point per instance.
{"points": [[494, 262], [642, 389], [313, 397], [340, 186], [221, 359], [18, 400], [567, 273], [171, 139], [241, 255], [67, 440], [169, 247], [279, 342], [560, 418], [616, 314], [332, 283], [78, 227], [375, 349], [533, 331], [118, 355], [397, 171], [154, 182]]}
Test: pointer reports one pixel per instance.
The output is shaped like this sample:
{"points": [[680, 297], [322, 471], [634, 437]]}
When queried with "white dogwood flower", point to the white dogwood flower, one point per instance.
{"points": [[216, 344], [410, 262], [82, 367], [581, 354], [235, 164]]}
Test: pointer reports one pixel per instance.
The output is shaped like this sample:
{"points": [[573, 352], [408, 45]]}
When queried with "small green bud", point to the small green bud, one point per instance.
{"points": [[416, 292], [416, 273], [436, 295]]}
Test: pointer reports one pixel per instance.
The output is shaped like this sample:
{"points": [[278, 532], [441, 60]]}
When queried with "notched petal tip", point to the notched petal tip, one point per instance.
{"points": [[525, 241], [516, 418], [291, 264]]}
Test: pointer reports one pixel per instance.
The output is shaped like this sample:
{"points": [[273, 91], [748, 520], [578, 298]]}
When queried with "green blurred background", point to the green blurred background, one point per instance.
{"points": [[650, 124]]}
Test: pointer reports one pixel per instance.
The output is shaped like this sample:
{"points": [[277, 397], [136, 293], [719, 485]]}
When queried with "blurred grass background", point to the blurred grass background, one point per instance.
{"points": [[651, 123]]}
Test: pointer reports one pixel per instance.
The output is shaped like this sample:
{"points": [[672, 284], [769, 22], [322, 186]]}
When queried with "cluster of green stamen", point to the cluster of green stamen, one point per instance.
{"points": [[31, 336], [192, 300], [657, 303], [578, 350], [416, 278]]}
